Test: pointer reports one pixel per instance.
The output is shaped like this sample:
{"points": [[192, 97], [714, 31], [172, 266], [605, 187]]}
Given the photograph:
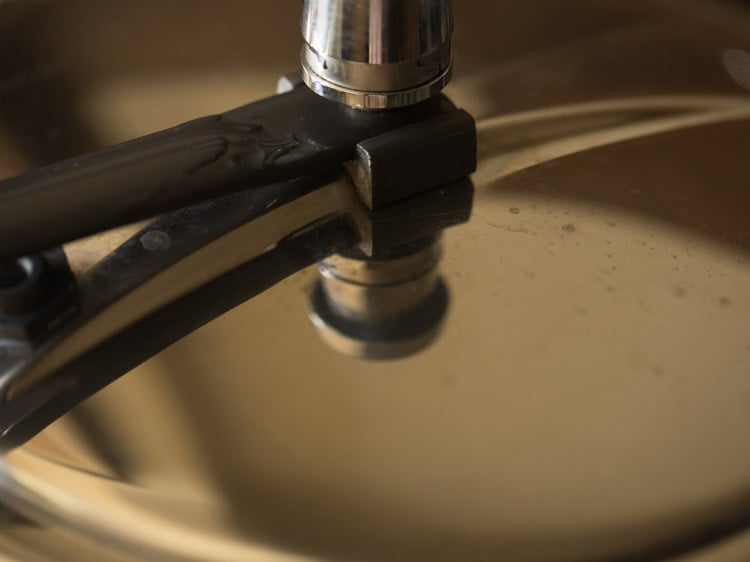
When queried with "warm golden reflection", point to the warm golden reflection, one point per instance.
{"points": [[588, 393]]}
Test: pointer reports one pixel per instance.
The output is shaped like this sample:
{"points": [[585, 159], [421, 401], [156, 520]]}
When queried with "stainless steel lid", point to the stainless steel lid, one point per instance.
{"points": [[587, 397]]}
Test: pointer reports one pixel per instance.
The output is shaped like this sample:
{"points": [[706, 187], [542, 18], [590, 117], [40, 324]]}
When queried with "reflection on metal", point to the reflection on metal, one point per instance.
{"points": [[384, 298], [155, 533], [226, 253], [588, 396], [510, 143], [380, 309], [174, 260], [183, 269]]}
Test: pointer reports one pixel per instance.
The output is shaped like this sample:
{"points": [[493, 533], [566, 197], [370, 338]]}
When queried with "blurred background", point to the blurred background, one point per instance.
{"points": [[588, 399]]}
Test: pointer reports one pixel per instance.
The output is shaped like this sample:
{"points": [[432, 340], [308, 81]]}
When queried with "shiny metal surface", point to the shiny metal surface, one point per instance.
{"points": [[217, 257], [587, 398], [371, 289], [380, 308], [376, 54]]}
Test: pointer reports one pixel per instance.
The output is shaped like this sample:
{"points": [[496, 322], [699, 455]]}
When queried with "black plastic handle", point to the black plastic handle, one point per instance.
{"points": [[271, 141]]}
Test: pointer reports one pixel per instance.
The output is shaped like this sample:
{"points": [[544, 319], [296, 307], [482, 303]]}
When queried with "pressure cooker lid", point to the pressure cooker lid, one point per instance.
{"points": [[584, 397]]}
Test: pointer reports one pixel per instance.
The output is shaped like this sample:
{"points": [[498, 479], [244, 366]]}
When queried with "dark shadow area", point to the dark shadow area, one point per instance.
{"points": [[39, 107]]}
